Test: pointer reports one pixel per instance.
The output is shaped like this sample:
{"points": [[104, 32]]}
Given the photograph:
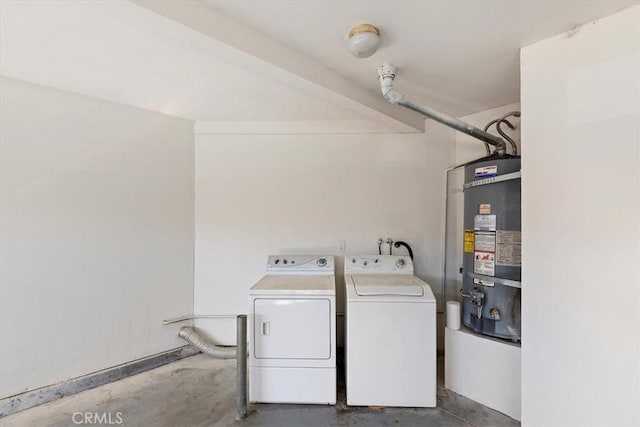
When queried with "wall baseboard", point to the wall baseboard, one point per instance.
{"points": [[31, 398]]}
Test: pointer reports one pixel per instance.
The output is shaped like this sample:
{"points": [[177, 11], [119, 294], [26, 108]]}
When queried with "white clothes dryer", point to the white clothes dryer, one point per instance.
{"points": [[292, 331]]}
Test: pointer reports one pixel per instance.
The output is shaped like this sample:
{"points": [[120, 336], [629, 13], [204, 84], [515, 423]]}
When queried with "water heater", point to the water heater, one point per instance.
{"points": [[492, 256]]}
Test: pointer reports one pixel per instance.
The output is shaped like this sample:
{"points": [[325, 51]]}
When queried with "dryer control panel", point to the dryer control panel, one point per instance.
{"points": [[300, 264], [378, 264]]}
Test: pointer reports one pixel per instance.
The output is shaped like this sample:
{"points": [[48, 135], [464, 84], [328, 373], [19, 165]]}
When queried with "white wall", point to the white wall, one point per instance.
{"points": [[97, 234], [581, 226], [301, 193]]}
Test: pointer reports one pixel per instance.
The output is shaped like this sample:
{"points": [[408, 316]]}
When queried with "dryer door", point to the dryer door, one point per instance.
{"points": [[292, 328]]}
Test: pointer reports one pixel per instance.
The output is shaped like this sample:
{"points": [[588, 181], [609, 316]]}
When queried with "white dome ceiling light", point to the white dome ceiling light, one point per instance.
{"points": [[364, 40]]}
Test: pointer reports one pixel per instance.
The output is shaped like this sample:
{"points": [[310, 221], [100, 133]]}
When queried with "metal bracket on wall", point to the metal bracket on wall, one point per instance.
{"points": [[39, 396], [498, 280], [493, 179], [198, 316]]}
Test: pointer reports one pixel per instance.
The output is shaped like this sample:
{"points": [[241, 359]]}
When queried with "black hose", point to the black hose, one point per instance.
{"points": [[399, 243]]}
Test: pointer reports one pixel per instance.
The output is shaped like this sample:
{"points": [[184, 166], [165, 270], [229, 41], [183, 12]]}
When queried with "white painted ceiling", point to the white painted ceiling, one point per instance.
{"points": [[118, 51], [457, 56], [280, 60]]}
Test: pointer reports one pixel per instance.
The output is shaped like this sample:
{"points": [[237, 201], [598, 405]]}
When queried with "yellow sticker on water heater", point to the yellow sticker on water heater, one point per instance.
{"points": [[469, 241]]}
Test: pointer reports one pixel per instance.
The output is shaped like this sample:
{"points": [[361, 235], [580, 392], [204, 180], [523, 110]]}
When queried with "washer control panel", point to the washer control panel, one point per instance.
{"points": [[378, 264], [300, 264]]}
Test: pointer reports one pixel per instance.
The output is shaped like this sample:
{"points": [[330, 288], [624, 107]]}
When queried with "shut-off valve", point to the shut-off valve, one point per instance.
{"points": [[477, 299]]}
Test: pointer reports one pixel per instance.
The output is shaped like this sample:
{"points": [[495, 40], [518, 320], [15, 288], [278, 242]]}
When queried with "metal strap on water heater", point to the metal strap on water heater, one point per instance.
{"points": [[494, 179], [498, 280]]}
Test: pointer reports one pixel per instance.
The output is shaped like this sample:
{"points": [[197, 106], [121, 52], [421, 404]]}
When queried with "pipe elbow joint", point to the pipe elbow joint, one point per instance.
{"points": [[386, 74], [391, 95]]}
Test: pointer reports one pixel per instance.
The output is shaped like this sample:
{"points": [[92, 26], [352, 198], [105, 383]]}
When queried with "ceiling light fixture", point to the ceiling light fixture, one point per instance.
{"points": [[364, 40]]}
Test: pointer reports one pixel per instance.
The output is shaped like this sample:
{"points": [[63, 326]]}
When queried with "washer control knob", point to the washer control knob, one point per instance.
{"points": [[322, 262], [284, 261], [353, 260], [401, 263], [277, 261]]}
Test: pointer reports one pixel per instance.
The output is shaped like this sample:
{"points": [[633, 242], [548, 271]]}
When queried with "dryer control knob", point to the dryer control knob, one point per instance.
{"points": [[401, 263], [322, 262]]}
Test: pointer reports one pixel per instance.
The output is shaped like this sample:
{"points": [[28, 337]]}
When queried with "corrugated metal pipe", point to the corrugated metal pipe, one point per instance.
{"points": [[239, 352], [386, 74], [190, 335]]}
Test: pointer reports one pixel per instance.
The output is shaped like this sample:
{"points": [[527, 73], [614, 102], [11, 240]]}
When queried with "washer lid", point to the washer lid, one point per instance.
{"points": [[385, 284]]}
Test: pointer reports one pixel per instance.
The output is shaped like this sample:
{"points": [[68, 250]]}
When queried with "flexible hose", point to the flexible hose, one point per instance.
{"points": [[486, 128], [190, 335], [502, 119], [514, 147], [399, 243], [498, 121]]}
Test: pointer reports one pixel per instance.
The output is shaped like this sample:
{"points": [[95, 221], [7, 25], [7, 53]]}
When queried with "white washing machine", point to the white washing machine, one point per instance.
{"points": [[292, 331], [390, 338]]}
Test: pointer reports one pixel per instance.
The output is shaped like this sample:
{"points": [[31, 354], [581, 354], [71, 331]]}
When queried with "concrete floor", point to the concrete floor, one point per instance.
{"points": [[200, 391]]}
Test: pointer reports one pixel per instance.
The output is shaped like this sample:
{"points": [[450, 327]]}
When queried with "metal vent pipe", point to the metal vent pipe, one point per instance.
{"points": [[386, 74], [190, 335], [239, 352], [241, 367]]}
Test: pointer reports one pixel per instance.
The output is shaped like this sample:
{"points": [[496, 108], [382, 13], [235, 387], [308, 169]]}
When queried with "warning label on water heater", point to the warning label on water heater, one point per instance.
{"points": [[508, 248], [484, 209], [484, 263], [469, 238], [484, 222], [485, 241]]}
